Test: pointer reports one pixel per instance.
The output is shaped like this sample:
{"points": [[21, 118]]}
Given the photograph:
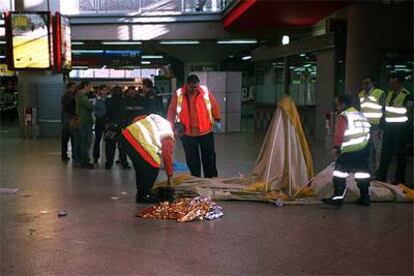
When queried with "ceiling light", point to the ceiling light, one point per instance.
{"points": [[2, 56], [236, 41], [152, 57], [2, 42], [80, 67], [77, 43], [179, 42], [145, 62], [302, 55], [285, 40], [87, 51], [246, 57], [121, 43]]}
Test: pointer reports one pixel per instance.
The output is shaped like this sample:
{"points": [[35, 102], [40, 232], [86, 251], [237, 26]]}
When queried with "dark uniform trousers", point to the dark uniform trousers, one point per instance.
{"points": [[352, 162], [395, 139], [145, 174], [110, 147], [192, 148], [99, 129]]}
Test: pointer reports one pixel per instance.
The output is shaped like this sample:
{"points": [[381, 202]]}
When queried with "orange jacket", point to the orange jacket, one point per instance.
{"points": [[194, 114]]}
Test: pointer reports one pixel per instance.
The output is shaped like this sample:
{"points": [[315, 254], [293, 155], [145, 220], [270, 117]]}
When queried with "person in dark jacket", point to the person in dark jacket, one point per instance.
{"points": [[115, 121], [152, 103], [100, 112], [134, 105], [68, 112]]}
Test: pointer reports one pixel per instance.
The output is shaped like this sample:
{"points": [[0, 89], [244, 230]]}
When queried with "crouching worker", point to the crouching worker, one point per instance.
{"points": [[147, 141], [352, 151]]}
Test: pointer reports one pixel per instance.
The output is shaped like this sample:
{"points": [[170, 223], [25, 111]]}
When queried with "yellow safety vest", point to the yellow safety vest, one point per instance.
{"points": [[149, 133], [370, 105], [397, 112], [356, 135]]}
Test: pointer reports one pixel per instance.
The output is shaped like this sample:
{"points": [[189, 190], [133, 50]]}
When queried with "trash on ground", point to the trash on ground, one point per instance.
{"points": [[124, 193], [115, 197], [62, 214], [8, 190], [26, 195], [44, 212], [184, 210], [279, 203]]}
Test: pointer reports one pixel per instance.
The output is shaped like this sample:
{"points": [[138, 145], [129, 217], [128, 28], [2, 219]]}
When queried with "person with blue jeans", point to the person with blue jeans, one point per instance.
{"points": [[83, 135]]}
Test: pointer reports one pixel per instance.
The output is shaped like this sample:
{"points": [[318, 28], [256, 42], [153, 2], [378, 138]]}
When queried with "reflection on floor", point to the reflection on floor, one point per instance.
{"points": [[100, 236]]}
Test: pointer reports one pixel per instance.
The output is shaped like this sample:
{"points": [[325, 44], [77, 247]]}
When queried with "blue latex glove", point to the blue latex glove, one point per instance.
{"points": [[217, 127]]}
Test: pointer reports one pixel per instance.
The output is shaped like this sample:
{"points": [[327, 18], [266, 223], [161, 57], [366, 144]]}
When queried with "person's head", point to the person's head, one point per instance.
{"points": [[192, 83], [367, 83], [343, 102], [71, 87], [84, 87], [178, 130], [116, 90], [147, 84], [101, 90], [395, 82]]}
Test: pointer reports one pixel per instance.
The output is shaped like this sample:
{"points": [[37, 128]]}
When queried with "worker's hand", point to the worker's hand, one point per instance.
{"points": [[169, 181], [334, 153], [217, 127]]}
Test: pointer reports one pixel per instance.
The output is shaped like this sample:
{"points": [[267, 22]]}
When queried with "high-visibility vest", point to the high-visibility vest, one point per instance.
{"points": [[397, 112], [356, 135], [148, 133], [370, 105], [203, 107]]}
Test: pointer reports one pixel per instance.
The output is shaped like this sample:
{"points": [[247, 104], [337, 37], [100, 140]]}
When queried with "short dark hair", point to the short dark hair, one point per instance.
{"points": [[102, 86], [83, 84], [147, 82], [192, 79], [70, 84], [370, 77], [345, 99], [399, 77]]}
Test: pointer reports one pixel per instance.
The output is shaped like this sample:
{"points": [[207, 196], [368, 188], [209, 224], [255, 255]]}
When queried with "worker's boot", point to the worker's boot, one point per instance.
{"points": [[364, 199], [339, 193]]}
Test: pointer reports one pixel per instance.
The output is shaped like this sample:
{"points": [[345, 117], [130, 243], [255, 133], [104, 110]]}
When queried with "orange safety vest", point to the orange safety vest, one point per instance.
{"points": [[145, 137], [203, 108]]}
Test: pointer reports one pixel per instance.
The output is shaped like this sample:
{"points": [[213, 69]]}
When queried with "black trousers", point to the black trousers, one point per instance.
{"points": [[99, 129], [67, 136], [110, 147], [192, 148], [145, 174], [395, 139]]}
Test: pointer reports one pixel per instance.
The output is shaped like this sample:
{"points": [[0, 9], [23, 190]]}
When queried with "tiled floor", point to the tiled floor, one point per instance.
{"points": [[101, 236]]}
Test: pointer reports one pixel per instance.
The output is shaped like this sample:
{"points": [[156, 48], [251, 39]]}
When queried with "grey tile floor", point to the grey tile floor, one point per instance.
{"points": [[100, 236]]}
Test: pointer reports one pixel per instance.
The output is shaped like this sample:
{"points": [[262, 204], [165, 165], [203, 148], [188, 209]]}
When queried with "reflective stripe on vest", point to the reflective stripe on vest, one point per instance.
{"points": [[149, 133], [206, 97], [370, 105], [356, 135], [396, 113]]}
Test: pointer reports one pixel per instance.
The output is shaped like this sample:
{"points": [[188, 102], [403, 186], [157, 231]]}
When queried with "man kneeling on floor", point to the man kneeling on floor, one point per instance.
{"points": [[146, 141], [352, 150]]}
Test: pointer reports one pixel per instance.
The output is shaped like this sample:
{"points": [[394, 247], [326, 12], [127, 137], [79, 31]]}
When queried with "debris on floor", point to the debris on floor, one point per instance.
{"points": [[44, 212], [8, 190], [115, 197], [184, 210], [124, 193], [62, 214]]}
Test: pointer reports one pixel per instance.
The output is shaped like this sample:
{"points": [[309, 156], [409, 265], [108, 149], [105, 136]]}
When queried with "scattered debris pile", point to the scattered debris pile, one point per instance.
{"points": [[184, 210]]}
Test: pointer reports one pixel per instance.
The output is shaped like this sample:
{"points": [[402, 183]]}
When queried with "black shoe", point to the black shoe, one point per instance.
{"points": [[147, 199], [333, 202], [88, 166], [95, 161], [65, 159], [363, 201]]}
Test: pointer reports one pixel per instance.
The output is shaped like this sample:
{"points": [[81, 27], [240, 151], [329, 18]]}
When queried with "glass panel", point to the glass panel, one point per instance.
{"points": [[302, 85]]}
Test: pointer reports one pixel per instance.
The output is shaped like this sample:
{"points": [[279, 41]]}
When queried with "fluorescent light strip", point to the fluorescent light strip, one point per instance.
{"points": [[2, 56], [121, 43], [244, 41], [152, 57], [246, 57], [180, 42], [88, 51], [2, 42], [145, 62], [77, 42]]}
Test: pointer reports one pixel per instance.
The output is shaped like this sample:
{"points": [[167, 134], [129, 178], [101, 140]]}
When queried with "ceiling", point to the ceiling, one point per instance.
{"points": [[253, 14]]}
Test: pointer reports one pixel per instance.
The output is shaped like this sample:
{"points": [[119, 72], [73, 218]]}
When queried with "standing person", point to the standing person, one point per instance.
{"points": [[372, 102], [134, 104], [351, 146], [148, 141], [152, 103], [115, 121], [83, 139], [397, 127], [100, 112], [195, 107], [68, 112]]}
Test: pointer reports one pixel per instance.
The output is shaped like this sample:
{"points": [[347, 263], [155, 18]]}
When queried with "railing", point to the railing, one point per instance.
{"points": [[148, 7]]}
